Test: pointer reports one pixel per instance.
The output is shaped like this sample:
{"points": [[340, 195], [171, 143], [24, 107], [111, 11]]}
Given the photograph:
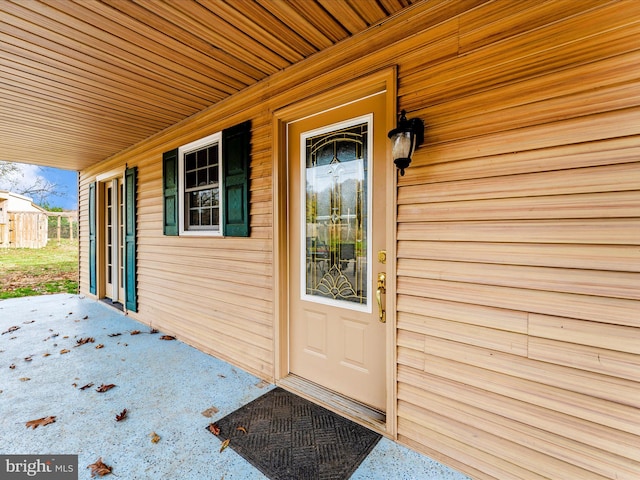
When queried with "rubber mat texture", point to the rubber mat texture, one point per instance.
{"points": [[287, 437]]}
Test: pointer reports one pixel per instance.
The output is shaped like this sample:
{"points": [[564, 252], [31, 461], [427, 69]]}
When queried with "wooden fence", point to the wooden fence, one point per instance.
{"points": [[24, 230]]}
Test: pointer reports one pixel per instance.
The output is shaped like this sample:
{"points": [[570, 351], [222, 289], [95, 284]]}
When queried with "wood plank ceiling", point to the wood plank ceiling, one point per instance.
{"points": [[81, 80]]}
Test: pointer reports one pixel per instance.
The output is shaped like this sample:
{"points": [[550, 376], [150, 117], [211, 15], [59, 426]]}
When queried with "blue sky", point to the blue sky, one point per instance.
{"points": [[68, 183]]}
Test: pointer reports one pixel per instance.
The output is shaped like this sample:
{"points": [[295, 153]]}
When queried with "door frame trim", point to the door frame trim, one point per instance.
{"points": [[333, 97]]}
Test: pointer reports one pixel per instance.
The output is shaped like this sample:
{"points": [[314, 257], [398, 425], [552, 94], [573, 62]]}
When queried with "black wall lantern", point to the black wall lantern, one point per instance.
{"points": [[405, 138]]}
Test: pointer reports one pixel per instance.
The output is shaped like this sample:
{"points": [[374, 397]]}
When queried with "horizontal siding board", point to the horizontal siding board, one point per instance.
{"points": [[593, 359], [574, 231], [562, 157], [622, 258], [606, 336], [598, 309], [578, 281], [490, 317], [608, 178], [498, 340], [560, 207], [495, 21]]}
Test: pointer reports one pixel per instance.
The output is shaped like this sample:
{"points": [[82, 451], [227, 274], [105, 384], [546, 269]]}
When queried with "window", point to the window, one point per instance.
{"points": [[206, 185], [199, 167]]}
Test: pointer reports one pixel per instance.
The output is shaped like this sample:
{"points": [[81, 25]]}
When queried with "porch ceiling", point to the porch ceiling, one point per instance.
{"points": [[81, 80]]}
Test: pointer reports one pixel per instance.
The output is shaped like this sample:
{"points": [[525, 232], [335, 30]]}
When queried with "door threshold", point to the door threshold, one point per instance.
{"points": [[117, 305], [337, 403]]}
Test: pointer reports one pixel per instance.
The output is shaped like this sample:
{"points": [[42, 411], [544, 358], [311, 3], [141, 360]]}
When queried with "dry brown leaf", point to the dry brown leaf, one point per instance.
{"points": [[12, 366], [99, 346], [46, 354], [241, 429], [115, 334], [210, 412], [135, 332], [214, 428], [167, 337], [82, 341], [225, 444], [40, 422], [100, 468], [121, 416], [28, 322], [155, 438], [24, 379], [63, 351], [29, 358], [88, 385], [153, 330], [105, 388], [11, 329]]}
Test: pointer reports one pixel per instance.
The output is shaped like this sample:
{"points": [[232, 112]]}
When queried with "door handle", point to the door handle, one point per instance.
{"points": [[382, 288]]}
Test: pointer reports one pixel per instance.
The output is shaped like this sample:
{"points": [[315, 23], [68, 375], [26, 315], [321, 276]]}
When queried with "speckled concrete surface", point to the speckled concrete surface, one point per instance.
{"points": [[165, 385]]}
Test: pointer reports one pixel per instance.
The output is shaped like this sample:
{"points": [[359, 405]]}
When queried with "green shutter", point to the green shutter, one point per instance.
{"points": [[236, 149], [130, 286], [170, 192], [92, 238]]}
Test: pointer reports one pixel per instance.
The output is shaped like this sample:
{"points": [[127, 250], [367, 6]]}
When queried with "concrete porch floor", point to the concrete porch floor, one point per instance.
{"points": [[167, 388]]}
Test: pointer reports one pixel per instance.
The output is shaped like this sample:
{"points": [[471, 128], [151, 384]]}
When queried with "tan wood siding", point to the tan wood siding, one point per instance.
{"points": [[518, 236], [525, 201]]}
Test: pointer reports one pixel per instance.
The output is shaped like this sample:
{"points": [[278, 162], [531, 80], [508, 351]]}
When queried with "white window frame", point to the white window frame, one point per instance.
{"points": [[182, 151]]}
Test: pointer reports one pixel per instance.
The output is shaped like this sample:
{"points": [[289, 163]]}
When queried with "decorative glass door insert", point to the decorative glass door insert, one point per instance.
{"points": [[337, 204]]}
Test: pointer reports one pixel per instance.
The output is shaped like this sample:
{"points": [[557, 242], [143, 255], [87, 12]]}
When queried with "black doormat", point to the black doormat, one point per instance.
{"points": [[287, 437]]}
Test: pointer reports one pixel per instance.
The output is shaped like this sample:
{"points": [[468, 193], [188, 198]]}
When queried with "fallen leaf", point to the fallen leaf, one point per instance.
{"points": [[105, 388], [46, 354], [63, 351], [88, 385], [155, 438], [40, 422], [210, 412], [153, 330], [82, 341], [11, 329], [28, 322], [214, 428], [121, 416], [167, 337], [225, 444], [66, 336], [12, 366], [99, 346], [115, 334], [241, 429], [85, 317], [135, 332], [24, 379], [29, 358], [100, 468]]}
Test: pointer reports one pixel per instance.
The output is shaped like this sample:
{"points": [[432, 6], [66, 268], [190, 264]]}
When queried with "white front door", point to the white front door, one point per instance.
{"points": [[114, 240], [336, 228]]}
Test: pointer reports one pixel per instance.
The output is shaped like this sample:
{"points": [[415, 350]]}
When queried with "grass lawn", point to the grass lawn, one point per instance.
{"points": [[32, 271]]}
